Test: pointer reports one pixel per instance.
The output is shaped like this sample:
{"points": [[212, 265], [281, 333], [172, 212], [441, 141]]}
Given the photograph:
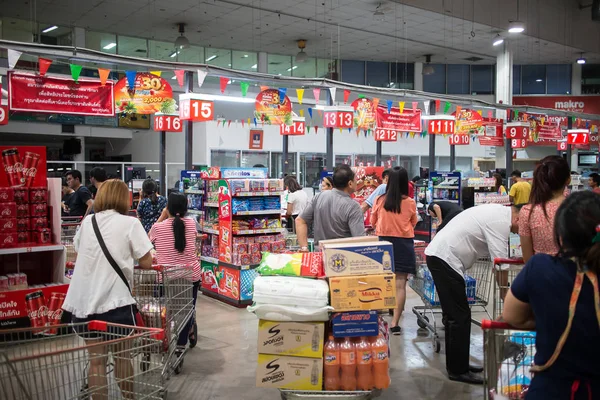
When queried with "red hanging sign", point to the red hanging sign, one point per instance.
{"points": [[517, 131], [338, 119], [167, 123], [407, 121], [561, 145], [459, 140], [385, 135], [441, 126], [549, 131], [3, 115], [196, 110], [298, 128], [493, 132], [578, 136], [518, 143]]}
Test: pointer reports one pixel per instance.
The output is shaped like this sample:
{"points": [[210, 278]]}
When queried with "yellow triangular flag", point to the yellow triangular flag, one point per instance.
{"points": [[340, 130], [480, 112], [401, 104], [300, 95], [157, 73], [248, 121], [301, 113]]}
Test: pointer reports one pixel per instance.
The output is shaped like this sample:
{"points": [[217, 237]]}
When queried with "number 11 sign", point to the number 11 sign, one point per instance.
{"points": [[441, 126]]}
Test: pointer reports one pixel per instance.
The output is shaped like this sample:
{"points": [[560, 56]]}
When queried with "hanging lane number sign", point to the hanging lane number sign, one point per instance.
{"points": [[441, 126], [167, 123], [459, 140], [196, 110], [385, 135], [338, 119], [578, 136]]}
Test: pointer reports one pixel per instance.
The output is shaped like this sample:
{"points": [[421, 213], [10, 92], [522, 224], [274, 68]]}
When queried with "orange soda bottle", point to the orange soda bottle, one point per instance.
{"points": [[381, 363], [348, 363], [331, 368], [364, 364]]}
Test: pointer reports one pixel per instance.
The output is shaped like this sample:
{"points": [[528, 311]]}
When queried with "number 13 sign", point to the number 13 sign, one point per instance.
{"points": [[338, 119]]}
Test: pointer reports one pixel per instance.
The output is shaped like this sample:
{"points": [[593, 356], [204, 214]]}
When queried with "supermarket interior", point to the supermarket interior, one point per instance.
{"points": [[246, 143]]}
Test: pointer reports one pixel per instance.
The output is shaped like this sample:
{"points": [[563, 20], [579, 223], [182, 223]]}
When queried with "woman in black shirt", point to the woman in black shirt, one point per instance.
{"points": [[444, 211]]}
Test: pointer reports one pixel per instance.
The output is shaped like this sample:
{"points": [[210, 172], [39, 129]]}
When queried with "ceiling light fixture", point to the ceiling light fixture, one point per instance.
{"points": [[110, 46], [182, 42], [211, 57], [539, 80], [581, 60], [301, 56], [427, 68], [379, 15], [245, 55], [498, 40], [254, 66], [50, 29], [516, 27], [173, 54], [294, 67]]}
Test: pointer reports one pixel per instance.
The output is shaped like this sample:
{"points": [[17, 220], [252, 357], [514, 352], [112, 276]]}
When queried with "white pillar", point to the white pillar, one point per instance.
{"points": [[576, 79], [418, 76], [504, 94], [263, 62]]}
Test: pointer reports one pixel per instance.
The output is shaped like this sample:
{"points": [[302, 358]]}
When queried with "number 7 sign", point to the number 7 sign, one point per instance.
{"points": [[578, 136]]}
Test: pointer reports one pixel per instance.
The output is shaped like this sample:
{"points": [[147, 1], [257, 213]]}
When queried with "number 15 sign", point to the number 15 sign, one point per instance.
{"points": [[196, 110]]}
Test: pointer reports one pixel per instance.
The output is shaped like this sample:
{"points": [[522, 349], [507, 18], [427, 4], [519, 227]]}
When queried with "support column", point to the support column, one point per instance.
{"points": [[189, 125], [263, 62], [431, 141], [329, 145], [162, 159], [378, 153], [576, 79], [418, 76], [569, 147], [452, 157], [504, 93], [79, 37], [284, 155]]}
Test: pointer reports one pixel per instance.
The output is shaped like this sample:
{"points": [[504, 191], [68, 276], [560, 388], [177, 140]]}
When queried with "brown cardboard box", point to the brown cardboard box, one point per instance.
{"points": [[350, 240], [296, 373], [299, 339], [358, 258], [363, 292]]}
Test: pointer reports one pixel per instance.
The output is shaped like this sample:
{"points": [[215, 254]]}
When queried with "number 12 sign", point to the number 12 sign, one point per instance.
{"points": [[386, 135], [441, 126], [578, 136]]}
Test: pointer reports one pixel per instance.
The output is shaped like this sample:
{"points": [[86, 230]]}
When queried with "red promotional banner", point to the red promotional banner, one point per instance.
{"points": [[18, 312], [58, 95], [23, 166], [549, 131], [225, 217], [493, 134], [584, 104], [367, 180], [407, 121], [271, 109], [365, 115]]}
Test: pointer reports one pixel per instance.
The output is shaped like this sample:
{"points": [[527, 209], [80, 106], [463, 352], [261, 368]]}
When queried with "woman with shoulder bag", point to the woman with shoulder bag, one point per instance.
{"points": [[151, 206], [100, 286]]}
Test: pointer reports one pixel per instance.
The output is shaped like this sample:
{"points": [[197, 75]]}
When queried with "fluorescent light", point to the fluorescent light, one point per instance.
{"points": [[50, 29], [294, 67], [245, 55], [254, 66], [211, 57], [110, 46], [174, 77], [229, 65], [539, 80], [581, 60], [498, 40], [516, 27], [174, 54]]}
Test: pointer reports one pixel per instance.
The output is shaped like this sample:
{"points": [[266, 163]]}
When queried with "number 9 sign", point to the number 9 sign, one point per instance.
{"points": [[3, 115]]}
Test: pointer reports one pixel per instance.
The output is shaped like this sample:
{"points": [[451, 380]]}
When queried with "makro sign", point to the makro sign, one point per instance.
{"points": [[581, 104]]}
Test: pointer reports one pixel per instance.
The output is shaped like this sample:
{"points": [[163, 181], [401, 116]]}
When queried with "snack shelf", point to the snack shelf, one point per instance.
{"points": [[225, 299], [210, 230], [32, 249], [212, 205], [252, 194], [259, 231], [196, 212], [240, 267], [258, 212], [193, 191], [211, 260]]}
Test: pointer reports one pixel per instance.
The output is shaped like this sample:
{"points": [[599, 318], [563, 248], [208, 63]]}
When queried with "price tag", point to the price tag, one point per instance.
{"points": [[561, 145], [578, 138], [296, 129], [196, 110], [386, 135], [441, 126], [338, 119], [459, 140], [167, 123], [517, 132], [518, 143], [3, 115]]}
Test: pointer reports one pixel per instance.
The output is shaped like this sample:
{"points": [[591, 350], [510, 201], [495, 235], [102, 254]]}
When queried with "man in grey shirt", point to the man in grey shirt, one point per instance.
{"points": [[333, 213]]}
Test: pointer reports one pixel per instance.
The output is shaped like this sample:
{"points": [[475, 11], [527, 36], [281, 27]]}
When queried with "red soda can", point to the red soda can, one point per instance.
{"points": [[13, 167], [55, 312], [3, 283], [8, 225], [23, 210], [37, 311], [21, 195], [38, 223], [38, 195], [30, 164], [45, 236], [38, 210], [8, 210], [7, 194]]}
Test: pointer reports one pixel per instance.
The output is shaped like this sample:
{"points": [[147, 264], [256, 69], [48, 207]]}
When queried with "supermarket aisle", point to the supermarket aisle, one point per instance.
{"points": [[222, 366]]}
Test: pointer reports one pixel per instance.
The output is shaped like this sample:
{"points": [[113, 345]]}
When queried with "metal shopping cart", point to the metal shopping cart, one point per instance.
{"points": [[478, 287], [505, 272], [37, 365], [164, 296], [508, 358], [69, 228]]}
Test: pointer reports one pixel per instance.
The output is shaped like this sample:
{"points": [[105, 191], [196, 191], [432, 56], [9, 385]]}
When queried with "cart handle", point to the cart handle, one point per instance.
{"points": [[511, 261], [487, 325]]}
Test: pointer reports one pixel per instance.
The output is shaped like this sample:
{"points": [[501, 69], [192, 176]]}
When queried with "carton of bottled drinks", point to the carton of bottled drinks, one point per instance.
{"points": [[299, 339], [284, 372]]}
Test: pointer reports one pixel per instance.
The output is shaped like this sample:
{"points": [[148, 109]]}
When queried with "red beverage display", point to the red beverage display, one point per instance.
{"points": [[331, 368], [3, 283], [21, 195], [8, 240], [41, 236], [22, 210], [8, 225], [37, 311], [348, 363], [364, 364], [23, 224], [30, 166], [8, 210], [38, 223], [55, 311], [13, 168], [38, 195], [381, 363], [7, 195], [38, 210], [23, 237]]}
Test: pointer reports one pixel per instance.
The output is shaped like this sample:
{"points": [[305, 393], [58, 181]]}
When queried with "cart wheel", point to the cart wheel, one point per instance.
{"points": [[145, 363], [179, 367], [194, 338], [164, 394], [438, 346], [422, 323]]}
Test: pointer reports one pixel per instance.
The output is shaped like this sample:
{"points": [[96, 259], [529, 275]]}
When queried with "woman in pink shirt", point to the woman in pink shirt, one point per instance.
{"points": [[536, 220], [394, 217]]}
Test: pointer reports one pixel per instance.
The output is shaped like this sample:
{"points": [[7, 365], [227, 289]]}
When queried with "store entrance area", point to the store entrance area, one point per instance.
{"points": [[223, 364]]}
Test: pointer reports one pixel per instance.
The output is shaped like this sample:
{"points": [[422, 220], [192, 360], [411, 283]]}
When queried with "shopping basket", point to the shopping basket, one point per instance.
{"points": [[508, 358], [478, 285], [52, 362], [164, 295], [505, 272]]}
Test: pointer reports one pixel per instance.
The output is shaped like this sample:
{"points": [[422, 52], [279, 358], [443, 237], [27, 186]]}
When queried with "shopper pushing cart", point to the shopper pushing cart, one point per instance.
{"points": [[474, 233]]}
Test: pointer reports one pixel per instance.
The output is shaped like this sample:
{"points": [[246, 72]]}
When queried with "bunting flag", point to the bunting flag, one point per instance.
{"points": [[301, 112], [103, 74], [44, 64], [179, 74], [317, 94], [131, 79], [341, 130], [349, 130], [223, 81], [242, 123], [254, 121], [244, 88], [389, 106], [446, 107], [375, 103], [248, 121], [458, 110], [201, 77], [300, 95], [308, 129], [320, 113], [263, 88], [480, 112], [332, 91], [13, 58], [490, 114], [414, 105], [75, 71], [229, 123], [426, 104], [316, 129], [282, 92], [310, 112], [438, 103], [401, 104], [543, 120], [346, 95], [361, 96], [157, 73]]}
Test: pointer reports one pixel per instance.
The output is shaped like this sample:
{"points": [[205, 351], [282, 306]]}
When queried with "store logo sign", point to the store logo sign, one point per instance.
{"points": [[569, 105]]}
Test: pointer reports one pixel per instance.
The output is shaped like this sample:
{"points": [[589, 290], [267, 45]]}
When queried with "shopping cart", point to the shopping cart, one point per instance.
{"points": [[478, 287], [505, 272], [37, 365], [508, 358], [69, 228], [164, 295]]}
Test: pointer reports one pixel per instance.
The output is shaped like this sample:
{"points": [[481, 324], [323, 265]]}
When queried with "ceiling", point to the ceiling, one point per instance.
{"points": [[345, 29]]}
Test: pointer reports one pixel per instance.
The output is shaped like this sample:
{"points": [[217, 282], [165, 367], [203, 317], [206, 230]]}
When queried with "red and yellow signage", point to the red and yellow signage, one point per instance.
{"points": [[150, 94], [365, 115], [493, 134], [407, 121], [273, 110], [469, 122]]}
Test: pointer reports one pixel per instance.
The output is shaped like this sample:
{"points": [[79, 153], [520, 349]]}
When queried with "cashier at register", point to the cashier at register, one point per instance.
{"points": [[333, 213]]}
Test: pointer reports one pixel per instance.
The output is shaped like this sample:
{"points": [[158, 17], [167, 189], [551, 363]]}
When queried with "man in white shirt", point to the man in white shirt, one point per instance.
{"points": [[476, 232]]}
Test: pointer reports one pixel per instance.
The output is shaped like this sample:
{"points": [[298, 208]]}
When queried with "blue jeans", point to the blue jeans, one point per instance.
{"points": [[185, 333]]}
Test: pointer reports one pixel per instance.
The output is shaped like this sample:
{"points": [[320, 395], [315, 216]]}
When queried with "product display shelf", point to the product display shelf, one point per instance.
{"points": [[211, 205], [477, 191], [445, 186], [192, 185], [31, 249]]}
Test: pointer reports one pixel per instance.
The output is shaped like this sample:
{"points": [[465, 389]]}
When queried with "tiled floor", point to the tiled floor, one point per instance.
{"points": [[222, 366]]}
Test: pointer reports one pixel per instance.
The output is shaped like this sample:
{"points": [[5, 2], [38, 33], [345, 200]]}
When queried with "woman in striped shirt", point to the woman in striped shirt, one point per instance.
{"points": [[174, 239]]}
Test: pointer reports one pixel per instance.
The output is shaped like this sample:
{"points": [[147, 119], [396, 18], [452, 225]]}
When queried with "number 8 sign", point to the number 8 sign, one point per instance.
{"points": [[3, 115]]}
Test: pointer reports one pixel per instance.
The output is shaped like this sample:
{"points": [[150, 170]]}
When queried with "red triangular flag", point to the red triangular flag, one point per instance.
{"points": [[437, 105], [103, 74], [414, 104], [346, 95], [489, 114], [179, 73], [229, 123], [375, 103], [44, 64], [242, 123], [316, 129], [224, 81]]}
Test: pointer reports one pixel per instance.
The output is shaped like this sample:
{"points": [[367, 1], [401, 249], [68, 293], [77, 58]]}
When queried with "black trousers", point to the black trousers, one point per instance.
{"points": [[450, 286]]}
